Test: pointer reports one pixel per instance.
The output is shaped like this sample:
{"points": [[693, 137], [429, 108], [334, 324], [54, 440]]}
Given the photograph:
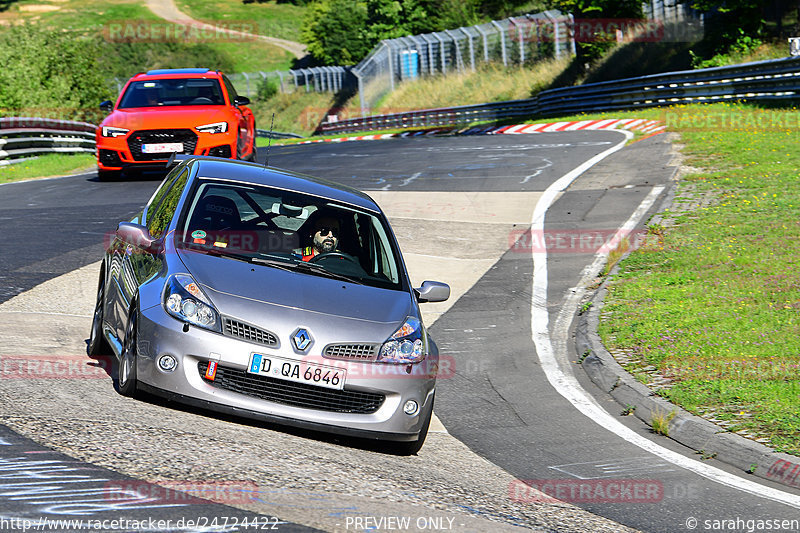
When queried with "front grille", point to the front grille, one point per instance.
{"points": [[361, 352], [291, 393], [234, 328], [138, 138]]}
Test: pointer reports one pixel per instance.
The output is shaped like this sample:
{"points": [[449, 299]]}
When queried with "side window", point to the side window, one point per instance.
{"points": [[154, 202], [158, 220], [230, 88]]}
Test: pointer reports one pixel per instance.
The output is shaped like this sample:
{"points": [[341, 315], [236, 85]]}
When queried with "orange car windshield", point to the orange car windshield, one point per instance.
{"points": [[172, 92]]}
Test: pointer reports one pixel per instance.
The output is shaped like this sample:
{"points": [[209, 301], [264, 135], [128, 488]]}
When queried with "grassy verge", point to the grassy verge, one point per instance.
{"points": [[491, 83], [159, 45], [272, 19], [46, 166], [712, 303]]}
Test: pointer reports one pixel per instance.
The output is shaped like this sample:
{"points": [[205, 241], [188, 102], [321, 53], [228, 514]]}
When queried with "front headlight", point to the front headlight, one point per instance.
{"points": [[184, 300], [110, 131], [216, 127], [408, 344]]}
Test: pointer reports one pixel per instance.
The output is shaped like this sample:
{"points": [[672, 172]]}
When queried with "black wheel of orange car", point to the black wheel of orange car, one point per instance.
{"points": [[412, 447], [252, 156], [126, 371], [109, 175], [97, 341]]}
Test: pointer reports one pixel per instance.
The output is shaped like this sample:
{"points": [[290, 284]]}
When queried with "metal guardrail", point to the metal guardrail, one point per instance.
{"points": [[446, 116], [276, 135], [24, 137], [771, 80], [776, 79]]}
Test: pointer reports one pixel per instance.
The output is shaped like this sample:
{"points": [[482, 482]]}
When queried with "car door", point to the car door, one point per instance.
{"points": [[131, 264]]}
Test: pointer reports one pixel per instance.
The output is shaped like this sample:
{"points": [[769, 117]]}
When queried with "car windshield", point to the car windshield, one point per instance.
{"points": [[172, 92], [291, 231]]}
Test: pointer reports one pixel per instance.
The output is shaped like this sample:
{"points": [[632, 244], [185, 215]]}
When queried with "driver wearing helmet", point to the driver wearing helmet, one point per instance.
{"points": [[325, 238]]}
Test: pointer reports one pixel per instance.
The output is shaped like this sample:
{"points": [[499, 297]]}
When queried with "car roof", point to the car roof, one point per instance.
{"points": [[179, 71], [257, 174]]}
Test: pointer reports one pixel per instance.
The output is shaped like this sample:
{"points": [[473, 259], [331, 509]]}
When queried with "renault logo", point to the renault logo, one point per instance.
{"points": [[301, 339]]}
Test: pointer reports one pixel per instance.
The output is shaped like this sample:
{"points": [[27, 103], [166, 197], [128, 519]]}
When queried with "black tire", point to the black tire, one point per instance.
{"points": [[109, 175], [126, 370], [252, 157], [412, 447], [98, 345]]}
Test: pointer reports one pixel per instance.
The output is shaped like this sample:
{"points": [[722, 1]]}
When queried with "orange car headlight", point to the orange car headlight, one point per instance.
{"points": [[110, 131], [216, 127]]}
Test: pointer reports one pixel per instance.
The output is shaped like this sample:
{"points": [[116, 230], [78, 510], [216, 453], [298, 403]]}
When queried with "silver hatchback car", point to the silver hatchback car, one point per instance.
{"points": [[272, 295]]}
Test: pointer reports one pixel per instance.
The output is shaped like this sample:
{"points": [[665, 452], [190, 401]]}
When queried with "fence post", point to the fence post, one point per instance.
{"points": [[247, 79], [502, 41], [459, 62], [471, 49], [429, 48], [389, 54], [441, 53], [280, 76], [485, 44], [556, 34]]}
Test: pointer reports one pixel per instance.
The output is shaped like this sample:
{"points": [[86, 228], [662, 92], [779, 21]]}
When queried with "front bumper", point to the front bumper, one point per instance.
{"points": [[160, 333], [123, 152]]}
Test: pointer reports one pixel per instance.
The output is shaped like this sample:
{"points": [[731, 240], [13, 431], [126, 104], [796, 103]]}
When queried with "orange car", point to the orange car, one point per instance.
{"points": [[188, 111]]}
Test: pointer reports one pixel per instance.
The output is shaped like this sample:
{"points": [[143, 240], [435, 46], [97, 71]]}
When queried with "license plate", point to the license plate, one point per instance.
{"points": [[298, 371], [162, 148]]}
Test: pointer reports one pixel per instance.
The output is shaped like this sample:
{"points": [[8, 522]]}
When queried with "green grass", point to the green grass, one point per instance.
{"points": [[713, 302], [272, 19], [491, 83], [241, 55], [46, 166]]}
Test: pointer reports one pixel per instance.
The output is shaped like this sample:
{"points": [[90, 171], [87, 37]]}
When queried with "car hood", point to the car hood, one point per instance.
{"points": [[165, 117], [248, 291]]}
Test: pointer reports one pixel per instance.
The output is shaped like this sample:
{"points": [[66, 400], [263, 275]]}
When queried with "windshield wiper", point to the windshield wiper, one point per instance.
{"points": [[298, 266], [221, 252], [276, 263], [311, 268]]}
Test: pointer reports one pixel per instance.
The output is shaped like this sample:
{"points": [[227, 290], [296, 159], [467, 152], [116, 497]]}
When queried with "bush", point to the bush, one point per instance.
{"points": [[49, 74], [266, 89]]}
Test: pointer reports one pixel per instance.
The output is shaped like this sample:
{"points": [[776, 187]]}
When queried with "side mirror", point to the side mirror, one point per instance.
{"points": [[107, 105], [138, 236], [241, 100], [433, 291]]}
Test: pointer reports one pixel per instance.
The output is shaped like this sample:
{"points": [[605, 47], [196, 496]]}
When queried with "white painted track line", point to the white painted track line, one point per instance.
{"points": [[551, 349]]}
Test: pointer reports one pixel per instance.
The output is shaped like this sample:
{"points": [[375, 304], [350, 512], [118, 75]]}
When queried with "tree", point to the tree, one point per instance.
{"points": [[335, 31], [49, 73], [590, 51]]}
